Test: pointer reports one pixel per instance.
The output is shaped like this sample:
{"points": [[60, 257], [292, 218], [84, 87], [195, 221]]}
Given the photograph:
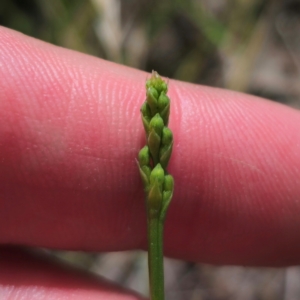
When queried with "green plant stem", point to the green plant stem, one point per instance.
{"points": [[155, 257], [158, 184]]}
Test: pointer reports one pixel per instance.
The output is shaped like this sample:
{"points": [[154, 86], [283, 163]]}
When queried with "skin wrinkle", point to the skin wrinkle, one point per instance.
{"points": [[240, 162], [176, 125]]}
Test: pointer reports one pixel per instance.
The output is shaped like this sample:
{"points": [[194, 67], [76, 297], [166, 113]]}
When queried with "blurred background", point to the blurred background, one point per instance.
{"points": [[251, 46]]}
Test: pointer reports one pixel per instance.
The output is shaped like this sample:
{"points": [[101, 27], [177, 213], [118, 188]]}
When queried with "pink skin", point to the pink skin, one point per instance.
{"points": [[70, 131], [25, 276]]}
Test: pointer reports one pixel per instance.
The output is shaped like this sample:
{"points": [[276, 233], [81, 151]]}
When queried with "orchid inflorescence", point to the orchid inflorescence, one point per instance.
{"points": [[153, 160]]}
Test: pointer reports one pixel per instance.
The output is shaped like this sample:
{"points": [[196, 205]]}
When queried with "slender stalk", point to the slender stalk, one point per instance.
{"points": [[160, 245], [155, 258]]}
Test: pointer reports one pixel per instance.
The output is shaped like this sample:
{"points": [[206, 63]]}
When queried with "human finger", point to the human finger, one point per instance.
{"points": [[27, 275], [70, 131]]}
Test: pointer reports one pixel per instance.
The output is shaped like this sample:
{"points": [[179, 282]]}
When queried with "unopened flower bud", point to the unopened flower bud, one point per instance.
{"points": [[146, 116], [163, 104], [166, 147], [144, 166], [168, 189], [152, 96], [155, 194], [154, 138]]}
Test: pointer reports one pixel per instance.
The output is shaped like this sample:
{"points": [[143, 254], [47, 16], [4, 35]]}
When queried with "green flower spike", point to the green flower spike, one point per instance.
{"points": [[153, 160]]}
